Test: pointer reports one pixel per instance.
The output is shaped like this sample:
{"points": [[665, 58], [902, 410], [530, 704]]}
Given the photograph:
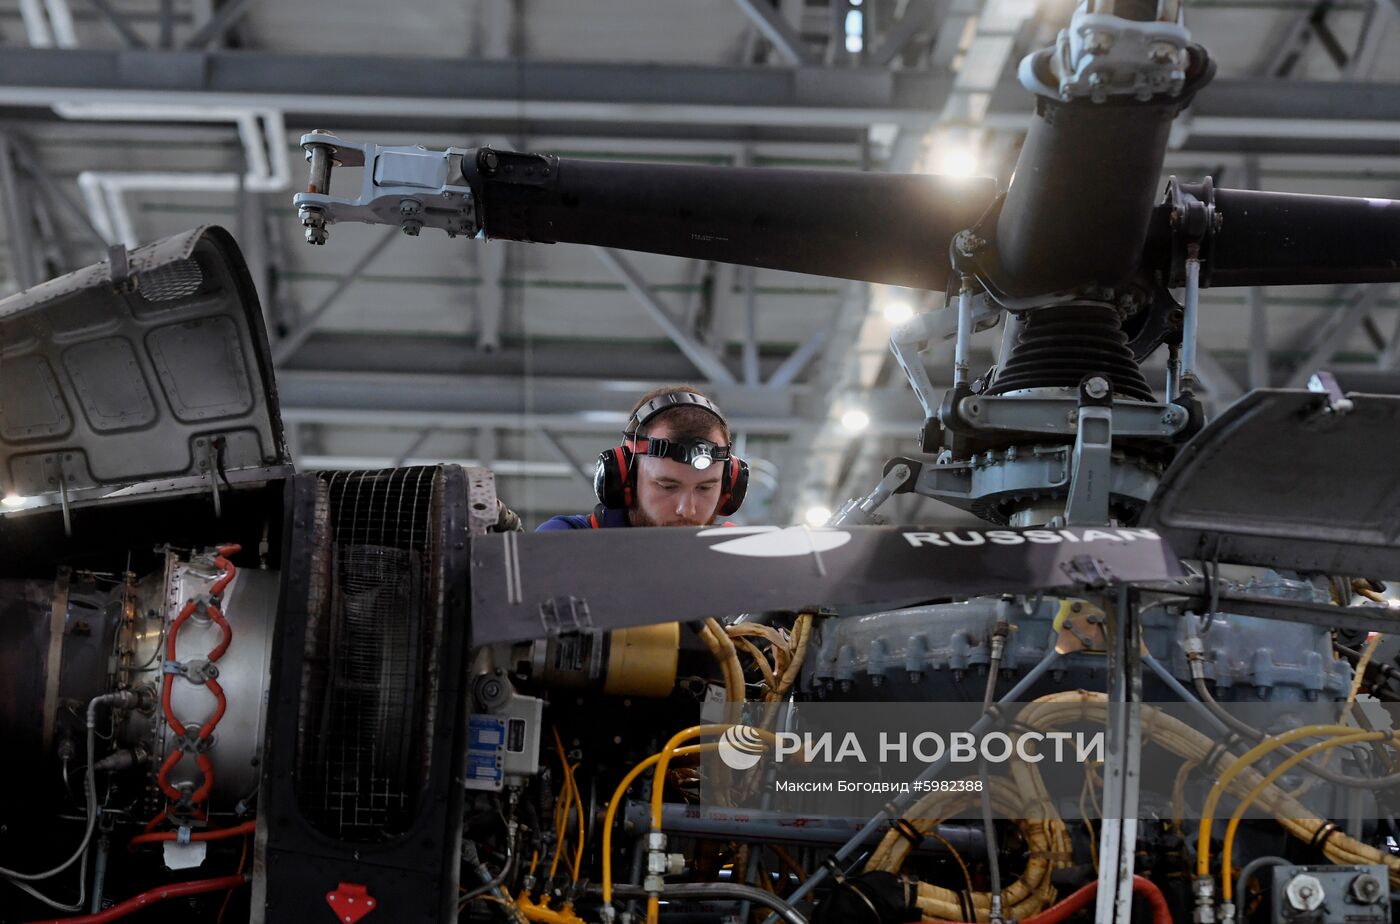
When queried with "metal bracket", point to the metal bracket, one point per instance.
{"points": [[1040, 414], [1091, 465], [408, 186], [1325, 383], [860, 511]]}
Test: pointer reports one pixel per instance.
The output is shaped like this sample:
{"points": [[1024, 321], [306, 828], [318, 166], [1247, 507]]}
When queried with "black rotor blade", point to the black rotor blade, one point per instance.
{"points": [[1281, 239], [885, 228]]}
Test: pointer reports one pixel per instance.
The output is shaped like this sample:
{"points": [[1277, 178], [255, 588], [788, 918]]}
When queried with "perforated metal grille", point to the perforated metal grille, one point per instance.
{"points": [[371, 686], [171, 281]]}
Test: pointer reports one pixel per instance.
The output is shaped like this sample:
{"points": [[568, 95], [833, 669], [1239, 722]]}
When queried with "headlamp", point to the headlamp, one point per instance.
{"points": [[699, 454]]}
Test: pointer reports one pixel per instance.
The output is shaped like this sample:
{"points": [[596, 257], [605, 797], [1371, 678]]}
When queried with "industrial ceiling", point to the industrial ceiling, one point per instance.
{"points": [[127, 120]]}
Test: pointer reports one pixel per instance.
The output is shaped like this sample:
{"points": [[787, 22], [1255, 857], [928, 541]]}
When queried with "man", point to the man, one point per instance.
{"points": [[673, 468]]}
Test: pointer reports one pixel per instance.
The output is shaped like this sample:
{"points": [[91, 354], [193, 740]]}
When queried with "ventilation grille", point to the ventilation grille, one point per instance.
{"points": [[370, 680], [170, 282]]}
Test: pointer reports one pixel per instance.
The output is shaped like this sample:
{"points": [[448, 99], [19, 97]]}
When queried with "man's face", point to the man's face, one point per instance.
{"points": [[671, 493]]}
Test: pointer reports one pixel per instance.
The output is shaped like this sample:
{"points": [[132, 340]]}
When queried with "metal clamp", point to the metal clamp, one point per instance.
{"points": [[197, 670], [408, 186]]}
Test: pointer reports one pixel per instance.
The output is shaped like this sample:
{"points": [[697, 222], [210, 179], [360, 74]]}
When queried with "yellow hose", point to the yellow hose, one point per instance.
{"points": [[619, 794], [1242, 763], [657, 789], [1226, 853]]}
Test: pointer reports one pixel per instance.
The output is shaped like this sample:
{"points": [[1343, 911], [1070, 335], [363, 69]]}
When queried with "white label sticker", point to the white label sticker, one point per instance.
{"points": [[713, 708]]}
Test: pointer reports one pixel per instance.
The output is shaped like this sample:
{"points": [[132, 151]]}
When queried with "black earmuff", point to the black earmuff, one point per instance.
{"points": [[612, 478]]}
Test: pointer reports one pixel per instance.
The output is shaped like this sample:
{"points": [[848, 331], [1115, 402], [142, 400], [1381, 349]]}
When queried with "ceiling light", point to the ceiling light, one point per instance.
{"points": [[955, 160], [898, 310], [817, 515], [13, 500], [855, 420]]}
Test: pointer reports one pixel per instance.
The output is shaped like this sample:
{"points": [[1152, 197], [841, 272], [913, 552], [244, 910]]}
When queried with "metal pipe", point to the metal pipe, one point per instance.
{"points": [[962, 345], [761, 826], [1191, 316], [704, 890]]}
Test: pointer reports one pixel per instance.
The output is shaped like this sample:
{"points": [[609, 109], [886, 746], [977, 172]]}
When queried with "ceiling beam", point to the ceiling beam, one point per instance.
{"points": [[284, 349], [457, 402], [709, 365], [317, 89], [778, 31], [225, 17], [1333, 336]]}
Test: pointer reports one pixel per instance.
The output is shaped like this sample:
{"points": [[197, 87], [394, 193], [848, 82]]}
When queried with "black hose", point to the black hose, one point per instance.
{"points": [[1250, 868], [993, 864], [1253, 734], [714, 890], [1389, 672]]}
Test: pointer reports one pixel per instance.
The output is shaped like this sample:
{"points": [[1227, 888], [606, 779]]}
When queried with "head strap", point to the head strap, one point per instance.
{"points": [[664, 403]]}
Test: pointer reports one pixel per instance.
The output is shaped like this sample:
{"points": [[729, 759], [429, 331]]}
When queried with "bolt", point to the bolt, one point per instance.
{"points": [[411, 227], [1162, 53], [1366, 888], [1097, 43], [1096, 387], [488, 161], [1096, 89], [409, 207]]}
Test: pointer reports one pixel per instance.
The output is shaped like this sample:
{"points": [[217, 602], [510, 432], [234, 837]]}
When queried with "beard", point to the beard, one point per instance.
{"points": [[639, 517]]}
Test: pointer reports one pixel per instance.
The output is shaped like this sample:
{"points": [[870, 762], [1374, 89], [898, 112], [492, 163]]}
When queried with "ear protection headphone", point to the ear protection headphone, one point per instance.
{"points": [[615, 476]]}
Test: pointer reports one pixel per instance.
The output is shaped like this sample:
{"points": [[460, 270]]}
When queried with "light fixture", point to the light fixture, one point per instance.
{"points": [[898, 310], [13, 500], [855, 420], [955, 160], [817, 515]]}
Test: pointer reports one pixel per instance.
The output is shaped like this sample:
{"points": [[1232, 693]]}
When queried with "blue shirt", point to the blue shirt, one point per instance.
{"points": [[602, 518]]}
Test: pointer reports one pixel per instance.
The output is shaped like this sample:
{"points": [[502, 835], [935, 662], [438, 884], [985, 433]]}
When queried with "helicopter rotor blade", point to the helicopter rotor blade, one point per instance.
{"points": [[885, 228], [1285, 239]]}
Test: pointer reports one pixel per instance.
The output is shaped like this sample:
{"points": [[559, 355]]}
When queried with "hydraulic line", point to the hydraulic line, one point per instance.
{"points": [[151, 896], [1254, 866], [658, 789], [1189, 743], [124, 699], [616, 801], [1253, 734], [247, 827], [1078, 900], [206, 730], [712, 890], [1242, 763], [572, 783], [1227, 851], [902, 801]]}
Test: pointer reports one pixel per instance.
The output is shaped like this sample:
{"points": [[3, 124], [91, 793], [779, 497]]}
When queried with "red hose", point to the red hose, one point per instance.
{"points": [[176, 890], [167, 683], [1077, 900], [217, 834]]}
